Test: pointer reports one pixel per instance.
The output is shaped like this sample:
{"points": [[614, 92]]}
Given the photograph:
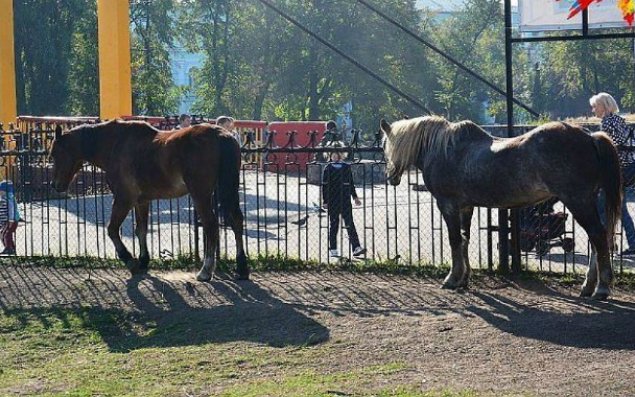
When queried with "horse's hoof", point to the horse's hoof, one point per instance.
{"points": [[241, 276], [144, 264], [600, 295], [462, 288], [204, 277], [585, 293], [448, 286], [134, 267], [464, 283]]}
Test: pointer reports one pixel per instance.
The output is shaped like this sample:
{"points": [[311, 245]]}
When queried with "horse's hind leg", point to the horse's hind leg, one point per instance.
{"points": [[591, 279], [236, 220], [466, 224], [120, 209], [203, 205], [141, 230], [600, 273], [452, 218]]}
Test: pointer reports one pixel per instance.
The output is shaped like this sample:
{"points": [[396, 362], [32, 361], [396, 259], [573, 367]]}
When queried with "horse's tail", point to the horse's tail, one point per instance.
{"points": [[610, 181], [229, 176]]}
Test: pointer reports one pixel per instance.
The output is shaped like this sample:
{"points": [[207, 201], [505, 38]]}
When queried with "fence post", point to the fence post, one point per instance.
{"points": [[8, 98]]}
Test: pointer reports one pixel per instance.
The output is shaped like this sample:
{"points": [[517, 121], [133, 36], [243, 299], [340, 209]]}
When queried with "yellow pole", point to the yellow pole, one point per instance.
{"points": [[8, 102], [115, 86]]}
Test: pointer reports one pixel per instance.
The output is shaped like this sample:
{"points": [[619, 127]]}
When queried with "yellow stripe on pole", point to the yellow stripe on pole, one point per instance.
{"points": [[8, 103], [115, 86]]}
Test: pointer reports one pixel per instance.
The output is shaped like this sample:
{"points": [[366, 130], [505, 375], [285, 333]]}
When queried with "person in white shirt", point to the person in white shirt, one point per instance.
{"points": [[228, 123], [184, 121]]}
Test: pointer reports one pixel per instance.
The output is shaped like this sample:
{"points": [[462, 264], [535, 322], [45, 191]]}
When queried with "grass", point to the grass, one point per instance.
{"points": [[76, 351], [87, 351], [275, 263], [111, 351], [259, 263], [70, 352]]}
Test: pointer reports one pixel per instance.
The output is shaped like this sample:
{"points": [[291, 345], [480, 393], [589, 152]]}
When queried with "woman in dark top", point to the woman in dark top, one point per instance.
{"points": [[337, 191], [605, 107]]}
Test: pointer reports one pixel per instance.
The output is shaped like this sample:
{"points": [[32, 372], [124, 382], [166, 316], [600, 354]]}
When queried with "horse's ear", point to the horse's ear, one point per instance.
{"points": [[385, 127], [58, 132]]}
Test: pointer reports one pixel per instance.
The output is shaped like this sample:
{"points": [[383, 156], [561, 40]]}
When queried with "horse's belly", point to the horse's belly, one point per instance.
{"points": [[509, 199], [166, 190], [176, 192]]}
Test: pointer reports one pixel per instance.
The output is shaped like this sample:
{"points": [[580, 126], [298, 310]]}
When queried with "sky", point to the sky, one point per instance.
{"points": [[448, 4]]}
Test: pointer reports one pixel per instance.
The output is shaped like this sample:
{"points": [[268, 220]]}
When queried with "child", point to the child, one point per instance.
{"points": [[330, 135], [9, 217], [337, 190]]}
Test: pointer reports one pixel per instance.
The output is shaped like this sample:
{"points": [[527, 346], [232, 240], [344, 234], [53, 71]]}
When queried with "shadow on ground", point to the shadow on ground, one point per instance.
{"points": [[159, 316], [562, 319], [281, 309]]}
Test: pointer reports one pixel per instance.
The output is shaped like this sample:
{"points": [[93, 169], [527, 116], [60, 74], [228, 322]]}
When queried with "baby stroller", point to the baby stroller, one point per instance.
{"points": [[542, 228]]}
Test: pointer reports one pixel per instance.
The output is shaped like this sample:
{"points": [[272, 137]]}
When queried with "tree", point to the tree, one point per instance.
{"points": [[470, 37], [44, 33], [261, 66], [206, 26], [573, 71], [154, 92], [83, 78], [258, 65]]}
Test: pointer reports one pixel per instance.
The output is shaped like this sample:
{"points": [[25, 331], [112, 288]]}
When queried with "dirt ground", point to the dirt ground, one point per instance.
{"points": [[500, 337]]}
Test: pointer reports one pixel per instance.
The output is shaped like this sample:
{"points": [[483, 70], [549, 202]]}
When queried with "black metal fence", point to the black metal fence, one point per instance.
{"points": [[281, 200]]}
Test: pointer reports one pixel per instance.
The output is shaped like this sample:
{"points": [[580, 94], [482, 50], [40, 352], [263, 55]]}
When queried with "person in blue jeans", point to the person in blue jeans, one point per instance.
{"points": [[605, 107]]}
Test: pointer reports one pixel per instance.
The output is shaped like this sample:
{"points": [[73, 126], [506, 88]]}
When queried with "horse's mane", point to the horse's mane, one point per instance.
{"points": [[134, 126], [432, 134], [131, 127]]}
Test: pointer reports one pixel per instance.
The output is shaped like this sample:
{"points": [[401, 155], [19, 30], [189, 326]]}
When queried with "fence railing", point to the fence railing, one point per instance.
{"points": [[281, 198]]}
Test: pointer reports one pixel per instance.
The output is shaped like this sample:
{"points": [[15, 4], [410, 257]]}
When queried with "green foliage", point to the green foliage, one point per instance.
{"points": [[278, 263], [83, 80], [474, 37], [51, 45], [271, 262], [259, 66], [88, 351], [207, 26], [571, 72], [153, 30]]}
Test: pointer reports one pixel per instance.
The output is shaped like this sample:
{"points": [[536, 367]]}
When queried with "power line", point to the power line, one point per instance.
{"points": [[446, 56], [404, 95]]}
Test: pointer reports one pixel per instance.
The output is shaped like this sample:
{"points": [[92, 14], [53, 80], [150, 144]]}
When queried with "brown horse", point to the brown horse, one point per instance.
{"points": [[142, 164], [464, 167]]}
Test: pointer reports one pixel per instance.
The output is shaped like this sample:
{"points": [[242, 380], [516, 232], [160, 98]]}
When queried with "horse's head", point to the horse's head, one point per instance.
{"points": [[394, 176], [67, 161]]}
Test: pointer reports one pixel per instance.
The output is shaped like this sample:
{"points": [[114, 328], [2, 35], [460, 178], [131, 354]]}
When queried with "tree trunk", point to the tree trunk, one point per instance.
{"points": [[260, 100], [313, 94]]}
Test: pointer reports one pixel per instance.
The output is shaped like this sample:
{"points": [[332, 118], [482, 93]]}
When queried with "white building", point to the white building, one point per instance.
{"points": [[440, 9], [183, 64]]}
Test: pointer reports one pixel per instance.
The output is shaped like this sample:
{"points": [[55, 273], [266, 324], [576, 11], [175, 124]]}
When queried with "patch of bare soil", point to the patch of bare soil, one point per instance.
{"points": [[500, 337]]}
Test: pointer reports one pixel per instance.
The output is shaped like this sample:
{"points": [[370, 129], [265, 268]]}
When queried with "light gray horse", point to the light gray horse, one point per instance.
{"points": [[465, 167]]}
